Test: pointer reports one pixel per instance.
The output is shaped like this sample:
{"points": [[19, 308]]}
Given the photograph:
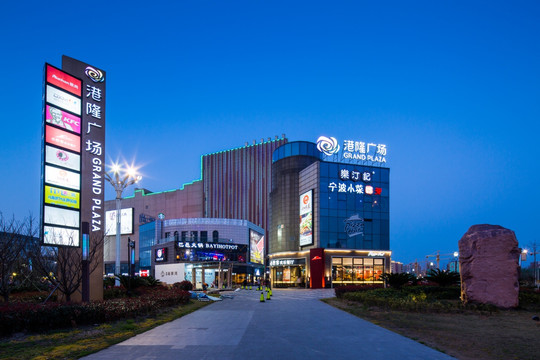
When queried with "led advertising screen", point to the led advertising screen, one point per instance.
{"points": [[58, 216], [63, 100], [53, 235], [62, 158], [62, 119], [62, 177], [62, 138], [63, 80], [306, 218], [57, 196], [126, 222], [256, 247], [161, 255]]}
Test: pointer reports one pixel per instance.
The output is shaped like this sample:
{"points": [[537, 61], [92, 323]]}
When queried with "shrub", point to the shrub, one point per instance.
{"points": [[397, 280], [184, 285], [38, 317], [340, 290], [443, 278]]}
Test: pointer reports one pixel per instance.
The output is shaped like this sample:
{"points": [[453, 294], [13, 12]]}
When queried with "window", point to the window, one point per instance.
{"points": [[184, 235], [204, 236], [176, 236], [215, 236], [194, 236]]}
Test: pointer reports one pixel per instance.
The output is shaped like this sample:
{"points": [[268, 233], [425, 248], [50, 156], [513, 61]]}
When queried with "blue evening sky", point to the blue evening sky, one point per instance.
{"points": [[451, 87]]}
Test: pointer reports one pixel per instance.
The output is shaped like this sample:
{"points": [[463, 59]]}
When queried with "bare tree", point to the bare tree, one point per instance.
{"points": [[62, 266], [14, 236]]}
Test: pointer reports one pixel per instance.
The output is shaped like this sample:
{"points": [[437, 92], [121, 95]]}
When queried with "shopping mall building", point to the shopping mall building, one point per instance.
{"points": [[323, 208], [329, 218]]}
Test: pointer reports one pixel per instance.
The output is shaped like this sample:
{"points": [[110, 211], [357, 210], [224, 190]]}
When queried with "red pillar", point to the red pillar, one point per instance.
{"points": [[316, 268]]}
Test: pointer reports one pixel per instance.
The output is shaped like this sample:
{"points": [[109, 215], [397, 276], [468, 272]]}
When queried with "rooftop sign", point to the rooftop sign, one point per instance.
{"points": [[352, 151]]}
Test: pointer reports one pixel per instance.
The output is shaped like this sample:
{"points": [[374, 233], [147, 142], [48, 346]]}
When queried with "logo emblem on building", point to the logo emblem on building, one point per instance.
{"points": [[354, 226], [94, 74], [327, 145]]}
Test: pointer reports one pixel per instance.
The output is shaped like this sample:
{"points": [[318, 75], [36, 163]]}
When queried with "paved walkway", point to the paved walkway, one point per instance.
{"points": [[294, 324]]}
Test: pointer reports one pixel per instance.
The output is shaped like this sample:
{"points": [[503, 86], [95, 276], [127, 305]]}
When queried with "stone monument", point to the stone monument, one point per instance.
{"points": [[489, 266]]}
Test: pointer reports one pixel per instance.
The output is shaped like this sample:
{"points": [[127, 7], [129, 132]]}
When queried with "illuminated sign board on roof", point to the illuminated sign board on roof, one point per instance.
{"points": [[352, 151]]}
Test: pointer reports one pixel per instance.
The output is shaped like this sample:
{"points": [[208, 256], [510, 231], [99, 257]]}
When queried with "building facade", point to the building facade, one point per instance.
{"points": [[329, 220], [145, 207], [207, 250], [236, 182]]}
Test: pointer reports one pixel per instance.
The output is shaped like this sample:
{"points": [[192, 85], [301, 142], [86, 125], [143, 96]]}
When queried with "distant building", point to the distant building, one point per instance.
{"points": [[396, 267]]}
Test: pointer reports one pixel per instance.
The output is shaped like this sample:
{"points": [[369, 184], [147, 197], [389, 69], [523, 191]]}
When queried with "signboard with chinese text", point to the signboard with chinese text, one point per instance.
{"points": [[306, 218], [61, 178], [62, 197], [161, 255], [63, 80], [352, 151], [62, 138]]}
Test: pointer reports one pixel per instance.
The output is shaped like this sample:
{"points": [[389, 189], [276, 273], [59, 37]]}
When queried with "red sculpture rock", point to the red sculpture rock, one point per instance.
{"points": [[489, 266]]}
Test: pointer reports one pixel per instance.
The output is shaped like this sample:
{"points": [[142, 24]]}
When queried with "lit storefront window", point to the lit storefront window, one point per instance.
{"points": [[349, 270]]}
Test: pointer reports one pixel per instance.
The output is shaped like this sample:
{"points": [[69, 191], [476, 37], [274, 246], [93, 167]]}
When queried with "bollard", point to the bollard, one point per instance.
{"points": [[262, 296]]}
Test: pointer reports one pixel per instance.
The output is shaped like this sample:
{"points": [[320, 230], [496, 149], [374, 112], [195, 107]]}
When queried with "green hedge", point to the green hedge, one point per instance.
{"points": [[38, 317]]}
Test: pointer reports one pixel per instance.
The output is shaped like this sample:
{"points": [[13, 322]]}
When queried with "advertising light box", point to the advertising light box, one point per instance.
{"points": [[63, 80], [306, 218], [57, 236], [161, 255], [62, 119], [126, 222], [58, 216], [62, 158], [62, 138], [63, 100], [57, 196], [63, 178], [256, 247]]}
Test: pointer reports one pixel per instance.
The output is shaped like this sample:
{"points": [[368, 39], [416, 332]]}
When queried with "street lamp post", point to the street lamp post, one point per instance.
{"points": [[120, 182]]}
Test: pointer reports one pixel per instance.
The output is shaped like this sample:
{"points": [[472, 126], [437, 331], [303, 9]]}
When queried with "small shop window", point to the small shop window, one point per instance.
{"points": [[358, 261]]}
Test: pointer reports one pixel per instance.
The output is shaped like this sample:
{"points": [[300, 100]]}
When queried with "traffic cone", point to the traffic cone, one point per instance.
{"points": [[268, 295], [249, 287], [270, 291], [262, 296]]}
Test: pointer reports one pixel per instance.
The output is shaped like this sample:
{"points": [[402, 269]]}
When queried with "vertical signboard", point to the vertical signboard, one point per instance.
{"points": [[61, 162], [306, 218], [256, 247], [92, 129]]}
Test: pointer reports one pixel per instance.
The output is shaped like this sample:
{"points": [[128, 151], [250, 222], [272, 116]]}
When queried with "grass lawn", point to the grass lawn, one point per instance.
{"points": [[505, 334], [82, 341]]}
